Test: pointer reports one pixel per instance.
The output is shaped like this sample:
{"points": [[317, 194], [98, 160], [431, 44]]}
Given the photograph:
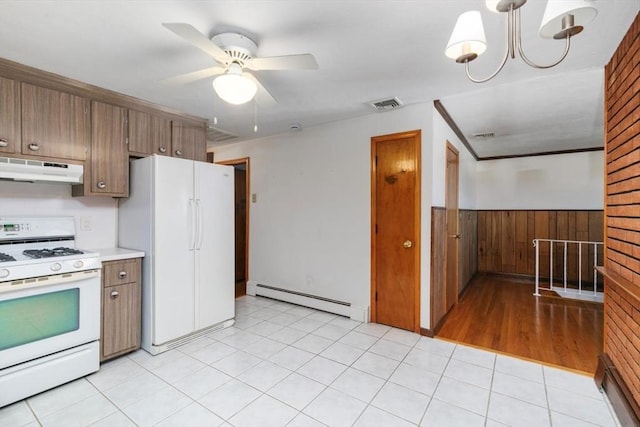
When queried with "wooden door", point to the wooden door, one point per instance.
{"points": [[9, 116], [395, 234], [54, 124], [453, 236], [241, 168], [240, 220]]}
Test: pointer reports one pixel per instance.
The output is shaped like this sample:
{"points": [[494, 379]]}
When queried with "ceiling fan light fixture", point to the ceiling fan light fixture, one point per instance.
{"points": [[564, 18], [234, 87], [467, 40]]}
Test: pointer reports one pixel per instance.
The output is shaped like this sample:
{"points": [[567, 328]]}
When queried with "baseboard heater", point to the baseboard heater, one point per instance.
{"points": [[609, 379], [307, 300]]}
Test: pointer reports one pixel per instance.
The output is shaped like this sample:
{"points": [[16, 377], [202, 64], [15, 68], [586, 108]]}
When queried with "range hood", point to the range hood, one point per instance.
{"points": [[39, 171]]}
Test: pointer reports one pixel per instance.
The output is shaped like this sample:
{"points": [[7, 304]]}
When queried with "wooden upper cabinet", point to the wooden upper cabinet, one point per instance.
{"points": [[188, 141], [107, 171], [149, 134], [54, 124], [9, 116]]}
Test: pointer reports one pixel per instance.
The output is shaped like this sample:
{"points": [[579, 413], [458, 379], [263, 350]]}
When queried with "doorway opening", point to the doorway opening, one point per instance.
{"points": [[452, 224], [241, 191]]}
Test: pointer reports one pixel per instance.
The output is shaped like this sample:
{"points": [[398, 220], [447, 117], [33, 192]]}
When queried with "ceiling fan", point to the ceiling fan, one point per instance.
{"points": [[235, 53]]}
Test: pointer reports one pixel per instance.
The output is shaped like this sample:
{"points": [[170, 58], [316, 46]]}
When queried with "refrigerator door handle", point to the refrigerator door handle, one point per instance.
{"points": [[198, 225], [192, 226]]}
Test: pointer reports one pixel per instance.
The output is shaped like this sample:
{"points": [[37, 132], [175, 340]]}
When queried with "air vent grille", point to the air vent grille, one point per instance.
{"points": [[219, 136], [483, 135], [386, 104]]}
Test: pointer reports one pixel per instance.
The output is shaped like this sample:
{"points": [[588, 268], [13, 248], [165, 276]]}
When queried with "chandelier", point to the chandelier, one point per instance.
{"points": [[562, 19]]}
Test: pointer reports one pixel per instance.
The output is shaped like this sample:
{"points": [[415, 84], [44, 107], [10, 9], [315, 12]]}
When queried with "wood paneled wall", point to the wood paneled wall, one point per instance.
{"points": [[438, 265], [468, 248], [505, 241], [467, 257], [622, 213]]}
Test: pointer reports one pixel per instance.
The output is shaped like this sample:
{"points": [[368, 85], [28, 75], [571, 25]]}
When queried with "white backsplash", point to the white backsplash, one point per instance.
{"points": [[96, 217]]}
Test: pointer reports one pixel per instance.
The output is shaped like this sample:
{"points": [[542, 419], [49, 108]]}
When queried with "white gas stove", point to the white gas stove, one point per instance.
{"points": [[40, 246], [49, 306]]}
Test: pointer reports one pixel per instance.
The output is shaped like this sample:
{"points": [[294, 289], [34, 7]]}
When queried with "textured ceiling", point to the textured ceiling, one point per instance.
{"points": [[366, 49]]}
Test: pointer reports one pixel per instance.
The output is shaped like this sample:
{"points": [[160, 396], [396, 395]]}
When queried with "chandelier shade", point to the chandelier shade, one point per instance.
{"points": [[234, 87], [562, 19], [556, 13], [467, 40]]}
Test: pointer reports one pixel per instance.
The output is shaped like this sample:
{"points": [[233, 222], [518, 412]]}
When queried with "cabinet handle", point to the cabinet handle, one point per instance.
{"points": [[115, 294], [122, 274], [178, 152], [3, 142], [162, 149], [101, 185], [34, 147]]}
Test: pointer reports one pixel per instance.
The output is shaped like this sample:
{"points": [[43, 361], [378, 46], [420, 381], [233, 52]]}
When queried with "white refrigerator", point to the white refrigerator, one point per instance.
{"points": [[181, 214]]}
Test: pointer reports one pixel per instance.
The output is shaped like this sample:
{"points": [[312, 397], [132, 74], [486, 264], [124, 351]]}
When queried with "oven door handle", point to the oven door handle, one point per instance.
{"points": [[6, 288]]}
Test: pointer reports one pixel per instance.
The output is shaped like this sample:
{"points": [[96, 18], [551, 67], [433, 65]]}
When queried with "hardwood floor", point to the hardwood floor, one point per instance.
{"points": [[502, 314]]}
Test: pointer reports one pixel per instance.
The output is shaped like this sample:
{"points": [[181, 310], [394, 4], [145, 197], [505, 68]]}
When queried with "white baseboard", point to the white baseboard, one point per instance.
{"points": [[251, 288]]}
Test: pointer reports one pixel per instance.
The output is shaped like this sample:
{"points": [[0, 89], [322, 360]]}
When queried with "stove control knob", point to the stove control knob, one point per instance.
{"points": [[78, 264], [56, 266], [4, 273]]}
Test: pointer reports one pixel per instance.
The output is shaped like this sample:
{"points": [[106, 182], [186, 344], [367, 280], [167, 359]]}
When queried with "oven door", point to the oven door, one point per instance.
{"points": [[48, 314]]}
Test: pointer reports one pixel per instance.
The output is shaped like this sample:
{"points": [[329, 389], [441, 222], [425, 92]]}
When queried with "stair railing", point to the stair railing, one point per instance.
{"points": [[564, 244]]}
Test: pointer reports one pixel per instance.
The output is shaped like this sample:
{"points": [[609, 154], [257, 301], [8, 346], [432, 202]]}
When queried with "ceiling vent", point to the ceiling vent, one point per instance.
{"points": [[219, 136], [483, 135], [386, 104]]}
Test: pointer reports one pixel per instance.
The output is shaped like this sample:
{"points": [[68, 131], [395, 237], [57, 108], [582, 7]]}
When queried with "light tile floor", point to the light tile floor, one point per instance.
{"points": [[285, 365]]}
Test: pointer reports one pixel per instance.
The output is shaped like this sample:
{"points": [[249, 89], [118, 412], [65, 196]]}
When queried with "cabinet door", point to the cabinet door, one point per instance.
{"points": [[149, 134], [9, 116], [109, 171], [188, 142], [120, 319], [54, 124]]}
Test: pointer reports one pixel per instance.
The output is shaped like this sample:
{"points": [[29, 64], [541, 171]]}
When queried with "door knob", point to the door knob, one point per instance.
{"points": [[455, 236], [407, 244]]}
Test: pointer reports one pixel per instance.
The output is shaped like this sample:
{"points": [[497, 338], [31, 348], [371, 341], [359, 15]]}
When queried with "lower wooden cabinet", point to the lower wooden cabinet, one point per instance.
{"points": [[121, 307]]}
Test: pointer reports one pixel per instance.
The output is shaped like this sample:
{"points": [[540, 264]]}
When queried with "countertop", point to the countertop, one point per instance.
{"points": [[115, 254]]}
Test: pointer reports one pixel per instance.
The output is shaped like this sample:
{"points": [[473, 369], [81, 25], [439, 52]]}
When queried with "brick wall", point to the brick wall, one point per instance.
{"points": [[622, 210]]}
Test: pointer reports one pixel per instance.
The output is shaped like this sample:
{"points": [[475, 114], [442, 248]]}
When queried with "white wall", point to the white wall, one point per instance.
{"points": [[310, 228], [21, 198], [562, 181], [466, 167]]}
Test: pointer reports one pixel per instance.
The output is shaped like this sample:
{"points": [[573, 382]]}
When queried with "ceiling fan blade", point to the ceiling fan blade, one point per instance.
{"points": [[265, 97], [195, 76], [303, 61], [199, 40]]}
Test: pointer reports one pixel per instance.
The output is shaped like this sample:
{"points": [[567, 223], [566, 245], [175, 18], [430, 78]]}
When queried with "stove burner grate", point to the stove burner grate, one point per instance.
{"points": [[5, 257], [49, 253]]}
